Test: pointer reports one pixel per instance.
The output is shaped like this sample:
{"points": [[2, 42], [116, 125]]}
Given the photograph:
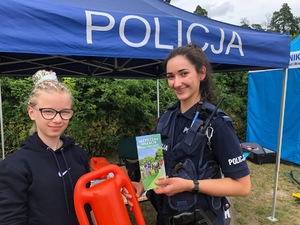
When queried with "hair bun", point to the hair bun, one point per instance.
{"points": [[43, 75]]}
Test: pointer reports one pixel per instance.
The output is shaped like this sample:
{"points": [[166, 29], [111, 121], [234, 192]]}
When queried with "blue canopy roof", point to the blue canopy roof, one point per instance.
{"points": [[295, 44], [295, 53], [123, 38]]}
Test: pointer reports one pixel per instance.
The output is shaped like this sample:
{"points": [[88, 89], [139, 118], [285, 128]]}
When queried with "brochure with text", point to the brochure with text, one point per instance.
{"points": [[151, 161]]}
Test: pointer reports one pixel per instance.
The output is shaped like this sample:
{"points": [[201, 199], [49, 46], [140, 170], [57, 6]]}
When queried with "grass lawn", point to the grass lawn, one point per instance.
{"points": [[256, 208]]}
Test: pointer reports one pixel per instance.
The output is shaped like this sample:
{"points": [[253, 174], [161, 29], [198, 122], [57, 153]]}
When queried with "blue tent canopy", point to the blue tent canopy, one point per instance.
{"points": [[295, 46], [123, 38], [264, 94], [264, 88]]}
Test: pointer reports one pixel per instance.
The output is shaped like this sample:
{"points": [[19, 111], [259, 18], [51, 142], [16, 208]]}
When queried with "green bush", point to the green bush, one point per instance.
{"points": [[107, 110]]}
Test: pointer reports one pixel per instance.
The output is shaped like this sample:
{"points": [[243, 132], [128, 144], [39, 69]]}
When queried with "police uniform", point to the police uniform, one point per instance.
{"points": [[190, 154]]}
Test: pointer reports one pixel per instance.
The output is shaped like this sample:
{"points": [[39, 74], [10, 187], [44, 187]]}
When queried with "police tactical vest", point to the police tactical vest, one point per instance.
{"points": [[185, 159]]}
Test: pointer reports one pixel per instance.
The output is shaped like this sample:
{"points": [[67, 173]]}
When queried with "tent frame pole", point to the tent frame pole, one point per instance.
{"points": [[279, 142], [1, 122], [157, 97]]}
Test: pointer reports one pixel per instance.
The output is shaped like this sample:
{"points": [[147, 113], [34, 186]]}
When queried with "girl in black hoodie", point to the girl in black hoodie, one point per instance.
{"points": [[37, 181]]}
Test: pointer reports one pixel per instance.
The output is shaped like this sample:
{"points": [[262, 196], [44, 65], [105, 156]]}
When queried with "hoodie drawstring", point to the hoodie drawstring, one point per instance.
{"points": [[67, 166], [62, 177]]}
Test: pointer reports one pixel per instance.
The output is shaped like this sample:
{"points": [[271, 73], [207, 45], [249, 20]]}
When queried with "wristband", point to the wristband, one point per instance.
{"points": [[196, 187]]}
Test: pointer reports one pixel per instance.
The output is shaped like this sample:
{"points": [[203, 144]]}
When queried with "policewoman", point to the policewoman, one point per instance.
{"points": [[203, 158]]}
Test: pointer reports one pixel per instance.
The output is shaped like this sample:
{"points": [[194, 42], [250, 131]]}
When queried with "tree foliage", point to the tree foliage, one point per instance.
{"points": [[201, 11], [106, 110], [283, 21], [234, 87]]}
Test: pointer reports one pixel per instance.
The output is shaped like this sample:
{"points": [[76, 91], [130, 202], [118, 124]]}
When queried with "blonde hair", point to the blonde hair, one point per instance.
{"points": [[45, 82]]}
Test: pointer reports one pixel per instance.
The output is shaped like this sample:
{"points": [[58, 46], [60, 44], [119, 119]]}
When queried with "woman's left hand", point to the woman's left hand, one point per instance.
{"points": [[172, 186]]}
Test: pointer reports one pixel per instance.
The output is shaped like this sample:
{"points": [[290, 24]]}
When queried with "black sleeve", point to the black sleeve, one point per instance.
{"points": [[13, 197]]}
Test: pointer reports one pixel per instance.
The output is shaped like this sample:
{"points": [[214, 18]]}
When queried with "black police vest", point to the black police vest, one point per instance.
{"points": [[185, 159]]}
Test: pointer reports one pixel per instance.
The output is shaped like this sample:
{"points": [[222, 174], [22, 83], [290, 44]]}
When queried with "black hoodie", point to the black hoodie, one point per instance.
{"points": [[37, 183]]}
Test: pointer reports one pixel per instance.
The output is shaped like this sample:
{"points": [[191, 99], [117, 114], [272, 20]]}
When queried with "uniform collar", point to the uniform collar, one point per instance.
{"points": [[189, 114]]}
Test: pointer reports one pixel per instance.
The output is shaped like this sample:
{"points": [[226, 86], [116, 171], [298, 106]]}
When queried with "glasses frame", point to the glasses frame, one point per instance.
{"points": [[56, 112]]}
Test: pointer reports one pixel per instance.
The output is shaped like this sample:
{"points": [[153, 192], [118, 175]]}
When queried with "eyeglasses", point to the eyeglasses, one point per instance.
{"points": [[50, 114]]}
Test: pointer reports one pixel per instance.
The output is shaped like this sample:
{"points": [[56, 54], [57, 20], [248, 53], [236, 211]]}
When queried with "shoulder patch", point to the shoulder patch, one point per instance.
{"points": [[226, 118]]}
